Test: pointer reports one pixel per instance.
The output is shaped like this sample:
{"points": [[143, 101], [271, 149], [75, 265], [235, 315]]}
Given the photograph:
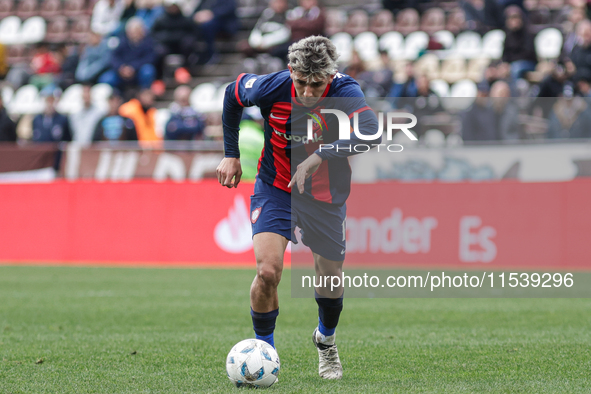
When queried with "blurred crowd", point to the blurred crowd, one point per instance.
{"points": [[133, 45], [132, 120]]}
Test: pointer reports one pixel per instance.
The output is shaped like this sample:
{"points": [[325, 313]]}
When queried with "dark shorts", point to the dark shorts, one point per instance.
{"points": [[322, 225]]}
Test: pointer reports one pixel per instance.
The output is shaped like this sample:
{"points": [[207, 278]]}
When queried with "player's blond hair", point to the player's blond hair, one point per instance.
{"points": [[314, 57]]}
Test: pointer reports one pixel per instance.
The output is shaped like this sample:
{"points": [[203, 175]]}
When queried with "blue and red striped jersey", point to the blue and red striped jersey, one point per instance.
{"points": [[285, 147]]}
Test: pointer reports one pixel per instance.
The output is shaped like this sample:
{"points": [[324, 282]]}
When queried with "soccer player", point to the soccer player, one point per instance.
{"points": [[313, 195]]}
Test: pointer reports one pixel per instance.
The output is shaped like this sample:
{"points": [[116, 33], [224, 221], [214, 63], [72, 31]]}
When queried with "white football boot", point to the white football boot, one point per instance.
{"points": [[329, 366]]}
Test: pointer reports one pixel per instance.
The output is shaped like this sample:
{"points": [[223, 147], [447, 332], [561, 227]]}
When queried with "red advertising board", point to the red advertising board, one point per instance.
{"points": [[133, 223], [472, 225]]}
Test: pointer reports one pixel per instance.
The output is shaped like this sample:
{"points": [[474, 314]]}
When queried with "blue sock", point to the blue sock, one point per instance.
{"points": [[267, 338], [325, 331], [264, 325], [329, 310]]}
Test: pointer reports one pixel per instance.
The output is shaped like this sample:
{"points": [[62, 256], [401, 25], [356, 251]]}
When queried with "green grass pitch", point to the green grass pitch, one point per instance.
{"points": [[122, 330]]}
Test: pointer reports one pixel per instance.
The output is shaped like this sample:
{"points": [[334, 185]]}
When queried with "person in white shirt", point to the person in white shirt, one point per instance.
{"points": [[106, 16], [83, 123]]}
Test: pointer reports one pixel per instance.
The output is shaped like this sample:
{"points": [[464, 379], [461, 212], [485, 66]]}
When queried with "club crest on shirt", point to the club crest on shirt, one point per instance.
{"points": [[254, 216], [318, 121]]}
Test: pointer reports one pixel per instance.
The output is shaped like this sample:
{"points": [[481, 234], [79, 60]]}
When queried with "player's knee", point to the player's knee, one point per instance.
{"points": [[330, 272], [325, 267], [269, 275]]}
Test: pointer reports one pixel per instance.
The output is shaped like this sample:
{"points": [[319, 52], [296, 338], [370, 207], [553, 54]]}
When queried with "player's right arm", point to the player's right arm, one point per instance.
{"points": [[245, 92]]}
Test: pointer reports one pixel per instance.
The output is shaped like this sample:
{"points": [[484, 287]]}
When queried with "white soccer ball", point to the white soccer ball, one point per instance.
{"points": [[253, 363]]}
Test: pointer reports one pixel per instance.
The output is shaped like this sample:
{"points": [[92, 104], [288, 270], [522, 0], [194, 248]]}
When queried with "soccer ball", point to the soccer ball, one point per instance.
{"points": [[253, 363]]}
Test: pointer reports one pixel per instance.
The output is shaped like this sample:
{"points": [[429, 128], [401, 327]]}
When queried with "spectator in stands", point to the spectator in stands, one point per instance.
{"points": [[7, 126], [51, 126], [497, 71], [550, 87], [114, 127], [553, 84], [575, 16], [95, 59], [83, 123], [380, 81], [479, 121], [456, 21], [396, 5], [19, 72], [491, 74], [45, 64], [376, 83], [143, 114], [106, 16], [570, 117], [214, 17], [427, 102], [507, 115], [406, 89], [305, 20], [519, 50], [489, 15], [270, 34], [185, 123], [132, 62], [148, 11], [173, 32], [581, 53], [583, 80], [69, 57], [356, 67]]}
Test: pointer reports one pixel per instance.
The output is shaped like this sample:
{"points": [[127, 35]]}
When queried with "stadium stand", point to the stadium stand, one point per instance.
{"points": [[440, 40]]}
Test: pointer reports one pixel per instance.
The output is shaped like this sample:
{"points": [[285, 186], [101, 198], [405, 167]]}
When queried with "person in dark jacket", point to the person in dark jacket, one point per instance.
{"points": [[7, 126], [114, 127], [507, 113], [213, 17], [583, 83], [173, 32], [405, 89], [479, 121], [550, 88], [51, 126], [519, 50], [132, 62], [581, 53], [185, 123], [570, 117]]}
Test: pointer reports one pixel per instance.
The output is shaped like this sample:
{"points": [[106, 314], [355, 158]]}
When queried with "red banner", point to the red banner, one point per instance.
{"points": [[134, 223], [476, 225], [471, 225]]}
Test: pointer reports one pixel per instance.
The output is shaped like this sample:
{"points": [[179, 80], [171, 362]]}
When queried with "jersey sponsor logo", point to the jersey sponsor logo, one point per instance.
{"points": [[249, 83], [273, 116], [254, 216], [296, 138]]}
